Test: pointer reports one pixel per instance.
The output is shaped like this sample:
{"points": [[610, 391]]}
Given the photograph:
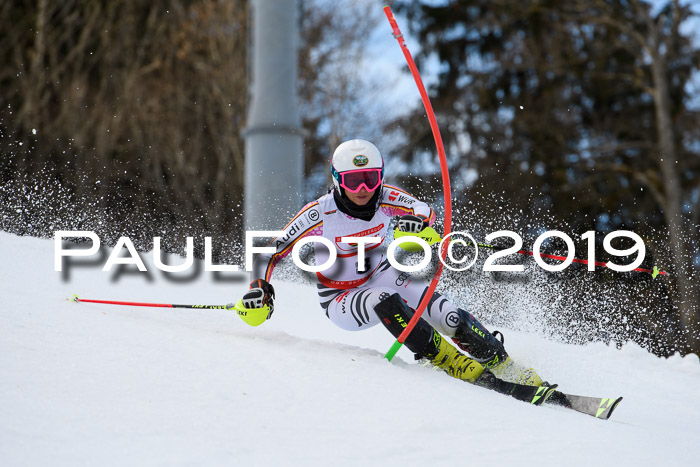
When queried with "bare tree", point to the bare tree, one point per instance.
{"points": [[657, 36]]}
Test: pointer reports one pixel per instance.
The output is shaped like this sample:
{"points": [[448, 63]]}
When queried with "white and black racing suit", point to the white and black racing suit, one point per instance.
{"points": [[347, 291]]}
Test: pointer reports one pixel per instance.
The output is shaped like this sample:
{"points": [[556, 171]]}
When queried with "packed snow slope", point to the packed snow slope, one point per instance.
{"points": [[87, 384]]}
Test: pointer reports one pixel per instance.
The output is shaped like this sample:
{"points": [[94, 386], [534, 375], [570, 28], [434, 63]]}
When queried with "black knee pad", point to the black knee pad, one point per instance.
{"points": [[395, 315], [473, 337]]}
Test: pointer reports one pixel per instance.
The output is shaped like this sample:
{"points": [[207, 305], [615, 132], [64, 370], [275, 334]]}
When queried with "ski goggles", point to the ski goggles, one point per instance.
{"points": [[353, 181]]}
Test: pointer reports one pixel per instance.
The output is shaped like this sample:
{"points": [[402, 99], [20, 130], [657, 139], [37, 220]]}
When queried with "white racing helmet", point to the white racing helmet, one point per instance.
{"points": [[357, 155]]}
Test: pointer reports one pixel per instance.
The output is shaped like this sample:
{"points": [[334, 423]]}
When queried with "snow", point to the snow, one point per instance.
{"points": [[89, 384]]}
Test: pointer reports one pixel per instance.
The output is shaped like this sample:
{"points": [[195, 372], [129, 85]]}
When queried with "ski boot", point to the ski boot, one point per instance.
{"points": [[472, 337], [462, 367], [427, 344], [424, 341], [444, 356]]}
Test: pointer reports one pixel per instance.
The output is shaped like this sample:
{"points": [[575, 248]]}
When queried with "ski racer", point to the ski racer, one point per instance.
{"points": [[357, 295]]}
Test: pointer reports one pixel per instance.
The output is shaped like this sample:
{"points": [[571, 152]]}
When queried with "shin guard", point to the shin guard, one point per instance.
{"points": [[425, 342], [395, 315]]}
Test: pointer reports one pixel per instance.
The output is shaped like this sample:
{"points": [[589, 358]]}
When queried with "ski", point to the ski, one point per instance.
{"points": [[598, 407], [535, 395]]}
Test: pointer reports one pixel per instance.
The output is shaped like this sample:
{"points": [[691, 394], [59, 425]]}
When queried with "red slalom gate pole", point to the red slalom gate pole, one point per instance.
{"points": [[445, 182], [75, 298]]}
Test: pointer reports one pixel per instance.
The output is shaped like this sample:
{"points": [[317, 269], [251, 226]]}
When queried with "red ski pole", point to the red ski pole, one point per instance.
{"points": [[655, 271], [75, 298]]}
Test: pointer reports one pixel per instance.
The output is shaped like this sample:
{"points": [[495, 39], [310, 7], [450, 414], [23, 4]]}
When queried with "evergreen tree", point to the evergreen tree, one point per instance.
{"points": [[582, 109]]}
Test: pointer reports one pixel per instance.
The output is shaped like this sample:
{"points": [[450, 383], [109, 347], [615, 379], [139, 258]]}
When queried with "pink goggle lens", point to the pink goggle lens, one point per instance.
{"points": [[355, 180]]}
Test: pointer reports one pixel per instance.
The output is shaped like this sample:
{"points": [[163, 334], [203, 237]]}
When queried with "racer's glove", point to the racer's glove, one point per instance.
{"points": [[261, 293], [412, 224]]}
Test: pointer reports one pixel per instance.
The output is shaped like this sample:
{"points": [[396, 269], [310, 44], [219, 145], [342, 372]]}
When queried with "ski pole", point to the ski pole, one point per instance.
{"points": [[77, 299], [445, 181], [655, 271], [251, 316]]}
